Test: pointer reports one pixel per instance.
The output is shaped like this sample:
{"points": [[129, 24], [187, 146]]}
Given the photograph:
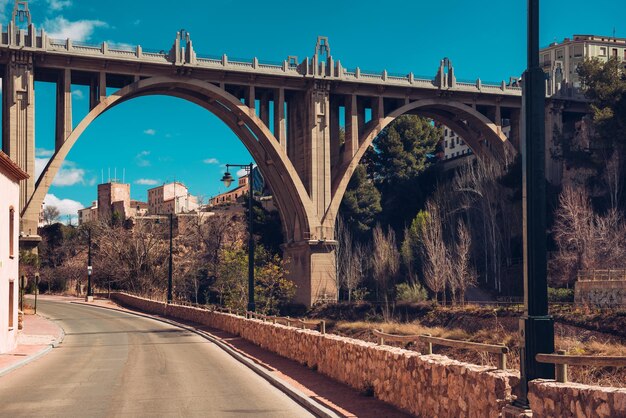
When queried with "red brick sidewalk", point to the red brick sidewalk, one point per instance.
{"points": [[35, 339]]}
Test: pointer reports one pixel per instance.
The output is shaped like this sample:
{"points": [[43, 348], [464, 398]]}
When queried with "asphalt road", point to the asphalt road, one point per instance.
{"points": [[113, 364]]}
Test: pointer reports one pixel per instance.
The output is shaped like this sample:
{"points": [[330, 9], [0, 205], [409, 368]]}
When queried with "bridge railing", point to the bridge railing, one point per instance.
{"points": [[561, 360], [428, 340]]}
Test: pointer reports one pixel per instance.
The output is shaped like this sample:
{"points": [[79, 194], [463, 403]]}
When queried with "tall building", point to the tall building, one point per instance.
{"points": [[113, 197], [171, 198], [10, 177], [560, 60]]}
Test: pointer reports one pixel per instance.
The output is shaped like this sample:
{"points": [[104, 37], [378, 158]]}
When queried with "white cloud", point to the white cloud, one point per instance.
{"points": [[242, 172], [40, 164], [65, 206], [150, 131], [59, 4], [69, 175], [80, 30], [42, 152], [211, 161], [141, 159], [78, 94], [147, 182], [136, 22], [121, 46]]}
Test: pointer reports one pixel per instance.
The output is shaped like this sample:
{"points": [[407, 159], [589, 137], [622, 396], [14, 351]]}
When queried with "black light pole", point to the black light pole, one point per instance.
{"points": [[89, 296], [536, 325], [228, 179], [36, 290], [169, 272]]}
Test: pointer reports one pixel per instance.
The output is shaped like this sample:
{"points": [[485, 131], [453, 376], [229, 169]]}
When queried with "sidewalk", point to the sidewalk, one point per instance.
{"points": [[340, 398], [38, 336]]}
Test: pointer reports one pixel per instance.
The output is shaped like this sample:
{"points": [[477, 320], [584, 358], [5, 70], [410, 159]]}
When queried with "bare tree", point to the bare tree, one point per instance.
{"points": [[464, 274], [50, 214], [385, 264], [435, 253]]}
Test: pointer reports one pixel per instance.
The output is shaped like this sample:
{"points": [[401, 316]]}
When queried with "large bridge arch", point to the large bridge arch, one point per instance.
{"points": [[295, 206], [468, 122]]}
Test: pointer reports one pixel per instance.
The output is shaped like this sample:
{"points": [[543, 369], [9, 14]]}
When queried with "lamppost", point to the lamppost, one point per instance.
{"points": [[89, 296], [227, 179], [170, 265], [536, 325]]}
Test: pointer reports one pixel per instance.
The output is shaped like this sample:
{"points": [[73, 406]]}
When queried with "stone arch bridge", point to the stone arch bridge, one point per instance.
{"points": [[287, 114]]}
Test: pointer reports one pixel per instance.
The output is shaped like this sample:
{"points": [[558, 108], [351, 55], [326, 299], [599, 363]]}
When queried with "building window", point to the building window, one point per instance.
{"points": [[445, 143], [602, 51], [578, 51], [559, 54], [614, 51], [11, 297], [546, 58], [11, 232]]}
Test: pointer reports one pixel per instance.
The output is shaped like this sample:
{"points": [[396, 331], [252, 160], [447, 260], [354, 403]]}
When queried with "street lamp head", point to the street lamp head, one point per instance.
{"points": [[227, 179]]}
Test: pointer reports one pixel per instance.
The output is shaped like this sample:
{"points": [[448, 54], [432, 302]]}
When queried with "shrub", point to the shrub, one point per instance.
{"points": [[560, 295], [412, 293]]}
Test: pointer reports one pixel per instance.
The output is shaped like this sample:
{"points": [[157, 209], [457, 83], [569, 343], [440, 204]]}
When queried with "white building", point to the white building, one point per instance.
{"points": [[454, 146], [10, 176], [560, 60], [89, 214], [171, 198]]}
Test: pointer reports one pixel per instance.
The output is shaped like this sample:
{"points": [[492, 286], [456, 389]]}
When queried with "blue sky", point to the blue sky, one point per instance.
{"points": [[152, 138]]}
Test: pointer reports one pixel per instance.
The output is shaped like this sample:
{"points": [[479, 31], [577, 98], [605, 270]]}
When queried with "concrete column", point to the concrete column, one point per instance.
{"points": [[317, 148], [311, 267], [102, 86], [378, 109], [498, 116], [18, 126], [64, 108], [264, 110], [279, 117], [352, 128], [334, 133], [93, 92], [553, 132], [360, 112], [514, 135], [250, 99]]}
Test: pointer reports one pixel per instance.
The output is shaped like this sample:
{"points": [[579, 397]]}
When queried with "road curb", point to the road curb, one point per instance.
{"points": [[54, 344], [297, 395]]}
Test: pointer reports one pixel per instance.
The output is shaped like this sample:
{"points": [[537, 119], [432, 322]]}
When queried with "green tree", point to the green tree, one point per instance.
{"points": [[361, 203], [403, 147], [605, 85], [410, 248]]}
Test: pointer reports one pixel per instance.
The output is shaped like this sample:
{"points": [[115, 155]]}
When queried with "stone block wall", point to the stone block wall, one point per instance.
{"points": [[551, 399], [424, 385], [602, 293]]}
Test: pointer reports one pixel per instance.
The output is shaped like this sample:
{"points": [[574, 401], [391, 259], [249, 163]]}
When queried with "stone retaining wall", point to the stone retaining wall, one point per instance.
{"points": [[551, 399], [602, 293], [424, 385]]}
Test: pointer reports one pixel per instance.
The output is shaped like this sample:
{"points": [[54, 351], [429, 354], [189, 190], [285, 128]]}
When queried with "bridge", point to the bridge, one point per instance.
{"points": [[288, 115]]}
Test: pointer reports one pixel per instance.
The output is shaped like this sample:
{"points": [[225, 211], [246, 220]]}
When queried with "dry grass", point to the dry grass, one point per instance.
{"points": [[570, 339]]}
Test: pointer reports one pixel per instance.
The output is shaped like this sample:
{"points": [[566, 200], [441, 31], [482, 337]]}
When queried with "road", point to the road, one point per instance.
{"points": [[113, 364]]}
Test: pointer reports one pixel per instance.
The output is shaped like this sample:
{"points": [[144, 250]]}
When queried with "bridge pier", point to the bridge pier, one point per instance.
{"points": [[311, 266]]}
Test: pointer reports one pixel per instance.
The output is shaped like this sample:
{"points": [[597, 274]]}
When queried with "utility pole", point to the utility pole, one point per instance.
{"points": [[536, 325]]}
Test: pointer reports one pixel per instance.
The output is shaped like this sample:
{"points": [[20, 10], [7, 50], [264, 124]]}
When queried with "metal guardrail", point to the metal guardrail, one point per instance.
{"points": [[561, 360], [500, 350], [601, 275]]}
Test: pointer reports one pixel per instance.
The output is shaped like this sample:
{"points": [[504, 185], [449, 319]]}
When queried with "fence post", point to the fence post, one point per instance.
{"points": [[381, 340], [502, 361], [429, 345], [323, 327], [561, 369]]}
